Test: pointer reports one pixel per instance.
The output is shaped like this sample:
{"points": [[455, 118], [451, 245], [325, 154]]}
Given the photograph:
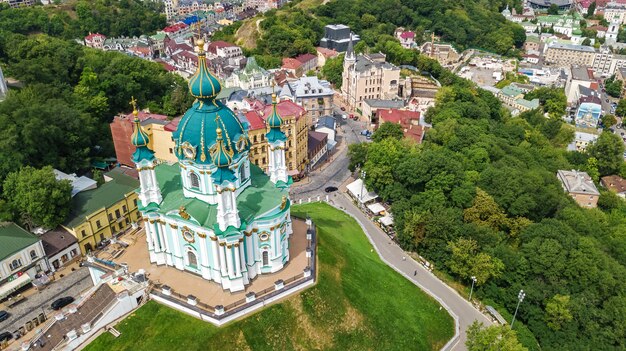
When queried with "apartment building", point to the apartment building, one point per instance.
{"points": [[568, 54]]}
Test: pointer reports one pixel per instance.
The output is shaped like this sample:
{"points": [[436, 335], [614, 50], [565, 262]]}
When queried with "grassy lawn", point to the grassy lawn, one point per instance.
{"points": [[359, 303]]}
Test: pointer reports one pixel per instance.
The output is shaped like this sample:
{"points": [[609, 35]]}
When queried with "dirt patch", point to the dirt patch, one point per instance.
{"points": [[248, 33], [352, 320], [241, 343], [319, 339]]}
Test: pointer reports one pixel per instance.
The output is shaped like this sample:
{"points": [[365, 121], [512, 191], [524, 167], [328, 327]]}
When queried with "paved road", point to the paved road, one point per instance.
{"points": [[71, 285], [393, 254]]}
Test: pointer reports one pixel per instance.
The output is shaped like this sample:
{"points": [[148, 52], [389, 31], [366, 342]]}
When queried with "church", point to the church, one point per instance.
{"points": [[215, 214]]}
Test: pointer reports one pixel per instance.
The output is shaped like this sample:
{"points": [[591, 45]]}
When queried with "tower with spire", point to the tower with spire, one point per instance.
{"points": [[143, 157], [219, 216], [276, 139], [348, 65]]}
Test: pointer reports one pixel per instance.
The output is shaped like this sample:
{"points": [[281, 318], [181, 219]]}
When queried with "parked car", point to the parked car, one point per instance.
{"points": [[6, 336], [61, 302], [4, 315], [344, 116], [330, 189], [343, 108]]}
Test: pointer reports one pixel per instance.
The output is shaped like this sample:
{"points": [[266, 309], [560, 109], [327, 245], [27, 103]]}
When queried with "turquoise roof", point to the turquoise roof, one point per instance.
{"points": [[260, 200], [197, 129], [220, 155], [275, 121], [140, 140]]}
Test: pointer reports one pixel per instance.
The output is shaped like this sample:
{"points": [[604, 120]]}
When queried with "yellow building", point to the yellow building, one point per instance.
{"points": [[295, 128], [103, 212], [161, 141]]}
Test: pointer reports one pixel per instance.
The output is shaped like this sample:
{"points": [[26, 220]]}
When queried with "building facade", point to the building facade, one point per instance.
{"points": [[368, 76], [100, 214], [337, 37], [567, 54], [580, 187], [22, 256], [314, 95], [122, 129], [223, 219]]}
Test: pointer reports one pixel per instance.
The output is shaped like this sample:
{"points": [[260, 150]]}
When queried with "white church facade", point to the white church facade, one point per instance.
{"points": [[214, 214]]}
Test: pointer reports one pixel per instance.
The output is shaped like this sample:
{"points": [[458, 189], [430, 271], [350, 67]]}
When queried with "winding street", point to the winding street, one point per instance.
{"points": [[335, 173]]}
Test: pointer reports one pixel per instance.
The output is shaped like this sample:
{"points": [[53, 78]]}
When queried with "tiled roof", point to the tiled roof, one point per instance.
{"points": [[407, 35], [614, 183], [255, 120], [94, 35], [398, 116], [304, 58], [577, 182], [285, 108], [56, 241], [172, 125], [328, 53], [291, 63]]}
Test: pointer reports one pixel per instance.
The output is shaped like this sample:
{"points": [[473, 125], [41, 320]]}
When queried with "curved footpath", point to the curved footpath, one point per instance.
{"points": [[460, 309]]}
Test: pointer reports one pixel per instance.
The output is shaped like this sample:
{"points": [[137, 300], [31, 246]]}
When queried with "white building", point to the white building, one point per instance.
{"points": [[251, 77], [22, 256]]}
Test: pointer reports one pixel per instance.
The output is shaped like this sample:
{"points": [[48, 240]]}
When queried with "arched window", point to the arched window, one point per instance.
{"points": [[17, 263], [194, 180], [266, 258], [33, 254], [191, 258], [242, 173]]}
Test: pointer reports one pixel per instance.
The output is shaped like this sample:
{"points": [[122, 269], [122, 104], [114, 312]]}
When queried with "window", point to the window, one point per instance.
{"points": [[17, 263], [124, 209], [98, 224], [191, 258], [33, 254], [110, 217], [135, 202], [101, 236], [114, 228], [254, 139], [83, 233], [117, 213], [171, 151], [266, 258], [73, 253], [194, 180]]}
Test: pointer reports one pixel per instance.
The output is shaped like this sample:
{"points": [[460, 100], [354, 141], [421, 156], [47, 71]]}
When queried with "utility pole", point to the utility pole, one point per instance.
{"points": [[520, 297], [472, 289]]}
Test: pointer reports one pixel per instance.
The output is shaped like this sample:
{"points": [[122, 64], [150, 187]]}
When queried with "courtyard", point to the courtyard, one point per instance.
{"points": [[358, 303]]}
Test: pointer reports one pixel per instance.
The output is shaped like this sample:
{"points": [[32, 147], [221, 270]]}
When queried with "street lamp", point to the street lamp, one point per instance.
{"points": [[472, 289], [520, 297]]}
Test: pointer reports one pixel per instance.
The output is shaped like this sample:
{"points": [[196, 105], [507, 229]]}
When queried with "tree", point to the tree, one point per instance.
{"points": [[38, 196], [609, 151], [492, 338], [557, 311], [591, 10], [358, 155], [388, 130], [333, 70], [553, 9], [485, 211], [620, 110], [608, 120], [466, 261], [613, 86]]}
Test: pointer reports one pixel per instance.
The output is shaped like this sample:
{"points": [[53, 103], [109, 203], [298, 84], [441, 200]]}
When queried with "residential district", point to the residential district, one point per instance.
{"points": [[194, 212]]}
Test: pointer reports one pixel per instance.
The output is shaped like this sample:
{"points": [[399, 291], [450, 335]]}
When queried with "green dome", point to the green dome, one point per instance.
{"points": [[203, 84], [275, 121], [577, 32], [221, 157], [140, 141], [196, 134]]}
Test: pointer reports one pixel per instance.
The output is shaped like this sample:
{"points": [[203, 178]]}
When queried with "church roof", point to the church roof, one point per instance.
{"points": [[254, 202], [197, 128]]}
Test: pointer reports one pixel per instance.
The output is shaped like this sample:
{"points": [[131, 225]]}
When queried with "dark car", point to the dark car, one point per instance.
{"points": [[6, 336], [61, 302], [330, 189], [4, 315]]}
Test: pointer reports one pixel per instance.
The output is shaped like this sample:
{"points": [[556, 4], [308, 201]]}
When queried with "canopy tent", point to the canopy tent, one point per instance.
{"points": [[387, 221], [358, 191], [13, 285], [376, 208]]}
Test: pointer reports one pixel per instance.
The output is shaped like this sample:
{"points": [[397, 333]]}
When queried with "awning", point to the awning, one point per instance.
{"points": [[13, 285], [386, 221], [376, 207], [358, 191]]}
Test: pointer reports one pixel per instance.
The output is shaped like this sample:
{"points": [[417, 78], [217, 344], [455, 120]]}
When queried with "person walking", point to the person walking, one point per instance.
{"points": [[415, 273]]}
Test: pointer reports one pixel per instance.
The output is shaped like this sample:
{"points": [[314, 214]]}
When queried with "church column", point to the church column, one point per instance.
{"points": [[205, 256], [237, 261], [242, 258], [216, 258], [229, 260], [148, 236], [222, 260]]}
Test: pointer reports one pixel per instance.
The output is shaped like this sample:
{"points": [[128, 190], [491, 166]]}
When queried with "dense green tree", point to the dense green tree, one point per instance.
{"points": [[333, 70], [358, 155], [553, 9], [613, 86], [466, 261], [620, 110], [591, 10], [388, 130], [37, 197], [552, 100], [608, 120], [557, 311], [492, 338], [609, 151]]}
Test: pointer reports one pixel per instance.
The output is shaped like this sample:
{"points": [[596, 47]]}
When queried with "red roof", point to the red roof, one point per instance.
{"points": [[409, 120], [172, 125], [91, 36], [328, 53], [142, 116], [304, 58], [175, 27], [285, 108], [256, 121], [291, 63], [407, 35], [166, 65]]}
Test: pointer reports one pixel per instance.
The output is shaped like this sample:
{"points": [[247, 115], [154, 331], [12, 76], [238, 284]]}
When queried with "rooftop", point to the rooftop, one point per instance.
{"points": [[614, 183], [577, 182], [257, 199], [56, 240], [78, 183], [378, 103], [326, 121], [571, 47], [14, 239], [109, 193]]}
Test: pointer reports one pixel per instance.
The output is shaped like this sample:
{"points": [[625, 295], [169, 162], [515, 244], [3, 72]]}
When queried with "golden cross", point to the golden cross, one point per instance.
{"points": [[133, 103]]}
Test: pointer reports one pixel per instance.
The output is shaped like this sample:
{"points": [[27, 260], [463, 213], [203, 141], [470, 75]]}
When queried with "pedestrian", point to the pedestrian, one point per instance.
{"points": [[403, 258], [415, 273]]}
